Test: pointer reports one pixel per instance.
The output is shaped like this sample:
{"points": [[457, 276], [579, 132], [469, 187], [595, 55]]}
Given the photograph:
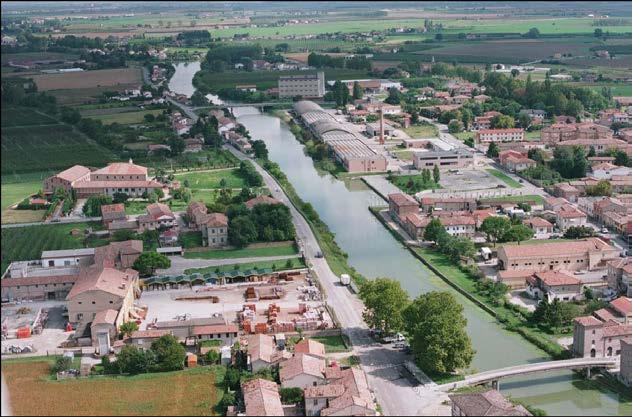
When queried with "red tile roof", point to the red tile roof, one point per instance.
{"points": [[158, 210], [215, 329], [623, 305], [261, 398], [588, 321], [537, 222], [555, 248], [262, 199], [112, 208], [25, 281], [117, 184], [122, 168], [96, 278], [105, 317], [301, 364], [216, 220], [492, 131], [402, 200], [150, 334], [73, 173], [557, 278], [616, 331], [311, 347]]}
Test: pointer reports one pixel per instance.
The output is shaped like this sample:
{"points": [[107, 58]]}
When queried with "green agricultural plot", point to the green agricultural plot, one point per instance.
{"points": [[125, 118], [22, 116], [16, 192], [212, 179]]}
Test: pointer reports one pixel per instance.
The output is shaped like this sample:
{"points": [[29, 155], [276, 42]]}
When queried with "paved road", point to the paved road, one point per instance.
{"points": [[395, 389], [179, 263], [186, 109]]}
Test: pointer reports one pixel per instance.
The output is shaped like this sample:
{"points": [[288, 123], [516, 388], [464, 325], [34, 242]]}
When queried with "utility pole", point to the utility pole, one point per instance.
{"points": [[381, 124]]}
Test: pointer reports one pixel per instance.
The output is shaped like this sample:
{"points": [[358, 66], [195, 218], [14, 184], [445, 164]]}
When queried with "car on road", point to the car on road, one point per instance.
{"points": [[395, 338], [605, 230], [319, 254], [521, 181]]}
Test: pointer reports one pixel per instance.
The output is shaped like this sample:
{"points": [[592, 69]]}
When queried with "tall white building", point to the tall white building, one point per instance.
{"points": [[304, 85]]}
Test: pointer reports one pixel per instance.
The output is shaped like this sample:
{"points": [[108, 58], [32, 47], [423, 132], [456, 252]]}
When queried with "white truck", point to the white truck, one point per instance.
{"points": [[345, 279]]}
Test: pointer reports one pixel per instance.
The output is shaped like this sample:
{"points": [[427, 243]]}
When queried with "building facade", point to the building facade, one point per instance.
{"points": [[304, 85]]}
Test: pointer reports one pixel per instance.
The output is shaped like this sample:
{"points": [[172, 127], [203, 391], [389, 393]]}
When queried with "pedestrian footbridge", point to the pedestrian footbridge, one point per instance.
{"points": [[497, 374]]}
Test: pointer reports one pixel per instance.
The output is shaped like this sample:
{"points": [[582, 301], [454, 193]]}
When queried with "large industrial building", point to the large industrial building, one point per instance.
{"points": [[303, 85]]}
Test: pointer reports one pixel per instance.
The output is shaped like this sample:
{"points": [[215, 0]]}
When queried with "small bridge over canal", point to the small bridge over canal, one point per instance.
{"points": [[497, 374]]}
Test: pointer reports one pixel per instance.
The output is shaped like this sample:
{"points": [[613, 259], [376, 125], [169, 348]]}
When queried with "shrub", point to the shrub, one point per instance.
{"points": [[61, 364]]}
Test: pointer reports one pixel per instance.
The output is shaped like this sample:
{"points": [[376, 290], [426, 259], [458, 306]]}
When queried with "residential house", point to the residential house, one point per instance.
{"points": [[112, 212], [66, 179], [431, 204], [214, 226], [568, 216], [142, 339], [488, 403], [168, 238], [600, 146], [401, 205], [159, 216], [517, 163], [193, 144], [261, 398], [563, 132], [346, 393], [457, 224], [310, 347], [554, 285], [605, 171], [225, 333], [542, 228], [566, 191], [536, 116], [302, 371], [593, 337], [262, 352], [620, 275], [585, 254], [484, 122], [625, 368]]}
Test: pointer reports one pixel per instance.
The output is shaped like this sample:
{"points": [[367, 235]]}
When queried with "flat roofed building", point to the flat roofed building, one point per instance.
{"points": [[585, 254], [500, 135], [458, 158], [304, 85], [355, 156]]}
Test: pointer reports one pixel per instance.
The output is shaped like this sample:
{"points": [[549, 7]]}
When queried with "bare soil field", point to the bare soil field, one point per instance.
{"points": [[89, 79]]}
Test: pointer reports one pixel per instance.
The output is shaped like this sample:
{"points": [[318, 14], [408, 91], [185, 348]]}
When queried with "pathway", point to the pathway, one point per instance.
{"points": [[179, 264], [380, 185]]}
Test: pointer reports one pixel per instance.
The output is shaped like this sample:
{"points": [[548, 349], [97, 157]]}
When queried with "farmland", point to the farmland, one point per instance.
{"points": [[212, 179], [48, 147], [21, 116], [119, 77], [272, 249], [192, 391], [129, 117], [24, 243], [16, 192]]}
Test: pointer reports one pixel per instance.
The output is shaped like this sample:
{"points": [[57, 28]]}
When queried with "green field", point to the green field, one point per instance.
{"points": [[25, 243], [22, 116], [333, 344], [275, 265], [16, 192], [516, 199], [505, 178], [421, 131], [211, 179], [616, 89], [214, 81], [283, 249], [412, 184], [546, 26], [125, 118], [32, 148], [192, 391]]}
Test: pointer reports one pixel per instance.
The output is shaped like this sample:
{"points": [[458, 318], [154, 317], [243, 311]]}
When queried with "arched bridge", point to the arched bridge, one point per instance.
{"points": [[497, 374]]}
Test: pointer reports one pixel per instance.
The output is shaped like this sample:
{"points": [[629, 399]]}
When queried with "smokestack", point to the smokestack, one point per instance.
{"points": [[381, 126]]}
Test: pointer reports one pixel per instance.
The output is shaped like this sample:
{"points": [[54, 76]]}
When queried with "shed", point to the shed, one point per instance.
{"points": [[191, 360]]}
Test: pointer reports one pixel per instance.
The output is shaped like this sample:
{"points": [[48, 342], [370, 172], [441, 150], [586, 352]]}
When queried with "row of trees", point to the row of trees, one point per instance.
{"points": [[264, 223], [455, 247], [166, 354], [434, 322]]}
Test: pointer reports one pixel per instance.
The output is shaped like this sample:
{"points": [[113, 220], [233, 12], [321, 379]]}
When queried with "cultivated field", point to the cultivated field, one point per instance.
{"points": [[16, 192], [189, 392], [212, 179], [130, 117], [19, 116], [48, 147], [119, 77]]}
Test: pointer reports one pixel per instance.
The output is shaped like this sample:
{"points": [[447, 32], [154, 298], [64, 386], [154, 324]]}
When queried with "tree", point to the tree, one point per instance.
{"points": [[602, 188], [292, 395], [434, 230], [128, 328], [439, 36], [579, 232], [132, 360], [148, 262], [426, 176], [92, 207], [591, 152], [524, 120], [598, 33], [437, 328], [119, 197], [241, 231], [228, 399], [436, 174], [455, 126], [177, 145], [502, 122], [62, 364], [170, 354], [555, 314], [384, 300], [518, 233], [358, 92], [492, 150], [515, 72], [71, 116], [394, 96], [213, 356], [532, 33], [149, 117], [495, 228], [260, 149]]}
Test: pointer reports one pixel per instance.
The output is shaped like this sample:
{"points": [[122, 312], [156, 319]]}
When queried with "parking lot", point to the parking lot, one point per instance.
{"points": [[164, 305]]}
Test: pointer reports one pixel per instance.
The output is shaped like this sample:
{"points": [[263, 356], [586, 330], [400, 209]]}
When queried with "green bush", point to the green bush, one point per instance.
{"points": [[62, 363]]}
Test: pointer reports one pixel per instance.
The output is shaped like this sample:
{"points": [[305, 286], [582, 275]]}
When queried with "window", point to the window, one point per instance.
{"points": [[80, 316], [80, 302], [111, 302], [94, 302]]}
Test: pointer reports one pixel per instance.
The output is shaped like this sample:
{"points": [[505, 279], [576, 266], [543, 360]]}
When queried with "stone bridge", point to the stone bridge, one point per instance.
{"points": [[497, 374]]}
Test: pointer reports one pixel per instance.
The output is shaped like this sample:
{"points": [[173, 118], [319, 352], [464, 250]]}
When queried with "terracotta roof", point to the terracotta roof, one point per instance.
{"points": [[111, 253], [568, 211], [616, 331], [301, 364], [261, 398], [588, 321], [623, 305], [310, 347], [557, 278], [118, 184], [604, 165], [516, 274], [25, 281], [457, 220], [122, 168], [324, 391], [401, 199], [262, 199], [215, 329], [262, 347], [157, 210], [105, 317], [73, 173], [356, 392], [112, 208], [555, 248], [489, 403], [417, 220], [604, 314], [150, 334], [109, 280], [216, 220], [537, 222], [509, 130]]}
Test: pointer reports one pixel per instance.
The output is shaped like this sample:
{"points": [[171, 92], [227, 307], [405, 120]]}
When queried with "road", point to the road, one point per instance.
{"points": [[179, 264], [382, 364]]}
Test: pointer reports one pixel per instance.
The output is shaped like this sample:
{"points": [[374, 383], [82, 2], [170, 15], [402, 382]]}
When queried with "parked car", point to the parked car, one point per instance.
{"points": [[605, 230]]}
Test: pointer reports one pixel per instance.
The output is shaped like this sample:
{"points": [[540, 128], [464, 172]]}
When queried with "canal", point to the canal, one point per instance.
{"points": [[374, 252]]}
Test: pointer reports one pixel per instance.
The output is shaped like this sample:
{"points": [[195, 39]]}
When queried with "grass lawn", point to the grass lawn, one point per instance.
{"points": [[421, 131], [412, 184], [193, 391], [16, 192], [126, 118], [505, 178], [463, 135], [532, 136], [515, 199], [191, 239], [404, 155], [280, 249], [212, 179], [275, 265], [334, 344]]}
